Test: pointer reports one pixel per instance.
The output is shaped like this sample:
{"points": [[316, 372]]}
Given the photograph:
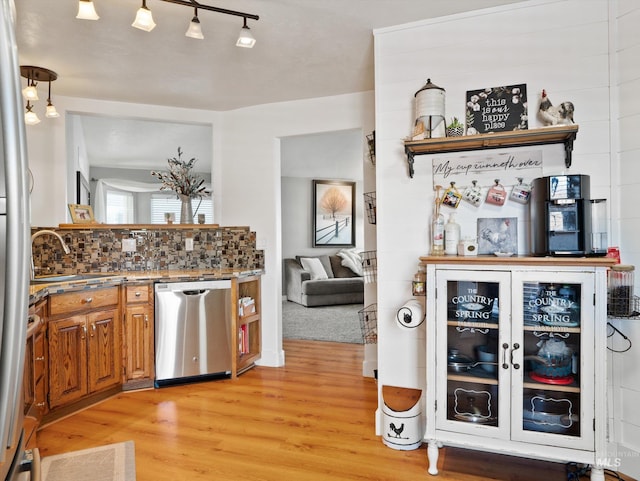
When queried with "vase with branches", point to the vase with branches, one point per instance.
{"points": [[184, 182]]}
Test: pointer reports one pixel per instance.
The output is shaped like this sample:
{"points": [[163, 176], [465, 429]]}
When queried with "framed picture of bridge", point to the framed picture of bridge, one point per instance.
{"points": [[333, 213]]}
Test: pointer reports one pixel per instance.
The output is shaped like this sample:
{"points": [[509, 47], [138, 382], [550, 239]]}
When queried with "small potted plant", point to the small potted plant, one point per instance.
{"points": [[455, 128]]}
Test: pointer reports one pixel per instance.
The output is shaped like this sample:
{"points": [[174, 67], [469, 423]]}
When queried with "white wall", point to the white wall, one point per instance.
{"points": [[563, 46], [624, 366], [251, 152]]}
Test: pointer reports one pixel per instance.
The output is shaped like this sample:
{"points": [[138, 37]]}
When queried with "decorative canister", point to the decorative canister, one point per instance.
{"points": [[430, 109]]}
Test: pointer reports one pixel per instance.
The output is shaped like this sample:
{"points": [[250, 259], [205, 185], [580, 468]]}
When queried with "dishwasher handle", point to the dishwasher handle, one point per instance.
{"points": [[195, 292]]}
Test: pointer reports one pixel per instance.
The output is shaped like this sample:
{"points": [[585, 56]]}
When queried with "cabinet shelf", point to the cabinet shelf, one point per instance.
{"points": [[476, 379], [551, 387], [565, 134]]}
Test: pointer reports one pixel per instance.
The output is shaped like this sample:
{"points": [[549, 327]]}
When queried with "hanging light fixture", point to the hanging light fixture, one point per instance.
{"points": [[51, 112], [86, 10], [30, 117], [194, 30], [39, 74], [245, 39], [144, 19]]}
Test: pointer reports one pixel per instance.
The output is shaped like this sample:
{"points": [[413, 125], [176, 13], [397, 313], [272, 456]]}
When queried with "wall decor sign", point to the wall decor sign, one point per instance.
{"points": [[509, 167], [496, 109], [334, 213]]}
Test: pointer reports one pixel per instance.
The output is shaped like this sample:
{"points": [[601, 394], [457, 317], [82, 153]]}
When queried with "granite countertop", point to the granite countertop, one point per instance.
{"points": [[42, 289]]}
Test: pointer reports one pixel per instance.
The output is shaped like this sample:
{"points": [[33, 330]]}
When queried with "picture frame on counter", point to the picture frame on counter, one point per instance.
{"points": [[81, 214]]}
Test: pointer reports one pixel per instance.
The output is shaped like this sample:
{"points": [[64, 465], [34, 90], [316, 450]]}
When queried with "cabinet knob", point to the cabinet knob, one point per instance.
{"points": [[40, 405], [138, 294], [40, 358], [88, 300]]}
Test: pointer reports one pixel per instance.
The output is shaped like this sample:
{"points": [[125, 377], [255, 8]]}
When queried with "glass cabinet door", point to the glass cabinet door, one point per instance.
{"points": [[473, 325], [553, 387]]}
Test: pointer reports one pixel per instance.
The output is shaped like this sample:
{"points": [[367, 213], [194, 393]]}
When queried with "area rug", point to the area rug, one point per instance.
{"points": [[330, 323], [113, 462]]}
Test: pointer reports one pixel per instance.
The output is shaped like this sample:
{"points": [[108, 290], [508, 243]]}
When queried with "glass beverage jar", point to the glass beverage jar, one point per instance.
{"points": [[620, 290]]}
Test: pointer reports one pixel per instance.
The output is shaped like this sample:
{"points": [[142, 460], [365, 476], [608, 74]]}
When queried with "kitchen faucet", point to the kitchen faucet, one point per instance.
{"points": [[65, 247]]}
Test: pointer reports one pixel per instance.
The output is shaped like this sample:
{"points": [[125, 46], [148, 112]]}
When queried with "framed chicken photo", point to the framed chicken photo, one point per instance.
{"points": [[498, 235], [497, 109]]}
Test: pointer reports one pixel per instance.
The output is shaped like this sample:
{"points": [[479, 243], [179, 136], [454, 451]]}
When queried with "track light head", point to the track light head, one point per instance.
{"points": [[245, 39], [86, 10], [144, 19], [195, 29]]}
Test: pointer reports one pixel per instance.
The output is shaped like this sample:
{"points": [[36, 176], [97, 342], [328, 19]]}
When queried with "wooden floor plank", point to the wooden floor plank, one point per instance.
{"points": [[311, 420]]}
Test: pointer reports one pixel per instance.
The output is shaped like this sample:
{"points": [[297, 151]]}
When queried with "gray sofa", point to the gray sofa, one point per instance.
{"points": [[342, 286]]}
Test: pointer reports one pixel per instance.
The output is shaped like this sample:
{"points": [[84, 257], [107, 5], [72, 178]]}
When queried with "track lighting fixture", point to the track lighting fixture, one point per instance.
{"points": [[245, 39], [195, 30], [144, 19], [33, 76], [86, 10]]}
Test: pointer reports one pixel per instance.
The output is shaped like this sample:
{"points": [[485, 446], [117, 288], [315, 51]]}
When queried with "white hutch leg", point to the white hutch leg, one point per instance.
{"points": [[597, 473], [432, 456]]}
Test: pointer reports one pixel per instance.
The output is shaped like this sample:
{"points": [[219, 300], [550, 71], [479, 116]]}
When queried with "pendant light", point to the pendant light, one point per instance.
{"points": [[144, 19], [30, 117], [245, 39], [34, 75], [194, 30], [51, 112], [86, 10]]}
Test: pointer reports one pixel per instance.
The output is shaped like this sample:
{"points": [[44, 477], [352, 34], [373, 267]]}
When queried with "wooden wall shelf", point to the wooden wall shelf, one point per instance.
{"points": [[98, 226], [517, 138]]}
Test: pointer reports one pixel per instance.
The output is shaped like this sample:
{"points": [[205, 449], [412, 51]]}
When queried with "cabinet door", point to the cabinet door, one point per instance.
{"points": [[67, 360], [553, 392], [104, 349], [138, 338], [473, 326]]}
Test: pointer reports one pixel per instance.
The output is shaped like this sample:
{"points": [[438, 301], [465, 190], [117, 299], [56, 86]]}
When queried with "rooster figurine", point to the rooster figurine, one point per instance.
{"points": [[550, 115]]}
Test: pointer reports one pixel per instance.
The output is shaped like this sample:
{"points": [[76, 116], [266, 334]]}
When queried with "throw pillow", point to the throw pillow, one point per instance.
{"points": [[314, 266], [326, 263]]}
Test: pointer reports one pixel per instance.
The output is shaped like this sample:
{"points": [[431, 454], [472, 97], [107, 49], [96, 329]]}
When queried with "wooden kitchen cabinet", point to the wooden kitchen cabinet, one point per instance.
{"points": [[138, 332], [85, 352], [35, 372], [246, 324]]}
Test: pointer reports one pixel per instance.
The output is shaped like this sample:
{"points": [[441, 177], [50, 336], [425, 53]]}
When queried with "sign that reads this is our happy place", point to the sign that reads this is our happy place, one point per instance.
{"points": [[484, 169], [497, 109]]}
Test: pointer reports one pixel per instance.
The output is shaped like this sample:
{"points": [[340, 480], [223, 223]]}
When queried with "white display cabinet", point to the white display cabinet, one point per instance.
{"points": [[516, 357]]}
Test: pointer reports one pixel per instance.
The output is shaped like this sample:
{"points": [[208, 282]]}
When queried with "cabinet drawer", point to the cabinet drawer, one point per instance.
{"points": [[138, 293], [70, 302]]}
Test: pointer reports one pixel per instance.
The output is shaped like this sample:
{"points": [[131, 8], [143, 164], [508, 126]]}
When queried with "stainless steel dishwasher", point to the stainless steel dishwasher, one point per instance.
{"points": [[193, 324]]}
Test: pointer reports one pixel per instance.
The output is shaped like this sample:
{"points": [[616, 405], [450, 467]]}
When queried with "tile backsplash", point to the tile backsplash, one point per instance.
{"points": [[100, 250]]}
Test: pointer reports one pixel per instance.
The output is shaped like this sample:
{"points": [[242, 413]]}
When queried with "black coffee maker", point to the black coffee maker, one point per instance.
{"points": [[561, 221]]}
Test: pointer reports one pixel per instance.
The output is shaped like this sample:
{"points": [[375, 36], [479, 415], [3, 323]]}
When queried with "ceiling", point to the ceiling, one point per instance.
{"points": [[305, 49]]}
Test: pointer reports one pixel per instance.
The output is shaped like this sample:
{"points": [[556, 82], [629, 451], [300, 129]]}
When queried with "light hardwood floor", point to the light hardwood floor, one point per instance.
{"points": [[309, 421]]}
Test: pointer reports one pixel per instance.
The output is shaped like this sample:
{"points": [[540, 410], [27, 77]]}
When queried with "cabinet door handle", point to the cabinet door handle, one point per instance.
{"points": [[146, 320], [93, 328], [88, 300], [40, 405], [516, 346], [84, 332], [505, 346], [40, 358]]}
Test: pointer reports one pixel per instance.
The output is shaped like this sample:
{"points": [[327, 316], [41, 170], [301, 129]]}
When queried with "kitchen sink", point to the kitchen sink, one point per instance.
{"points": [[68, 278]]}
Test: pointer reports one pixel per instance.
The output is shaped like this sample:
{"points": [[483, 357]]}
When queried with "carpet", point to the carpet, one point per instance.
{"points": [[113, 462], [330, 323]]}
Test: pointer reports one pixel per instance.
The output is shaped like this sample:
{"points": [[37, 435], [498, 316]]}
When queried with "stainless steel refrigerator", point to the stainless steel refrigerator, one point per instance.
{"points": [[14, 249]]}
